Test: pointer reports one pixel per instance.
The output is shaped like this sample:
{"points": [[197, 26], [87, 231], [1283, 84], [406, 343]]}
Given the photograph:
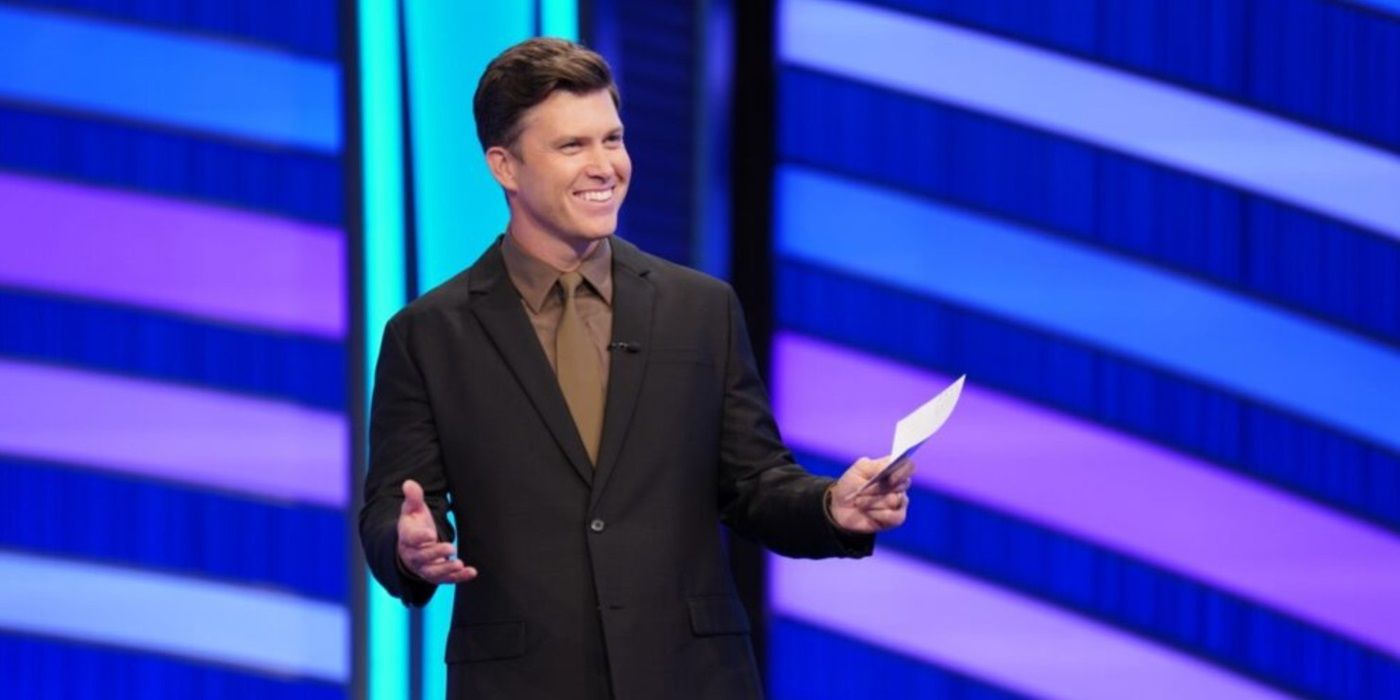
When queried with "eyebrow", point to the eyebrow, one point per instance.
{"points": [[561, 140]]}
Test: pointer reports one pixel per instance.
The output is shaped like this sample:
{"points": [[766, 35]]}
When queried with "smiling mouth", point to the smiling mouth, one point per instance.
{"points": [[596, 195]]}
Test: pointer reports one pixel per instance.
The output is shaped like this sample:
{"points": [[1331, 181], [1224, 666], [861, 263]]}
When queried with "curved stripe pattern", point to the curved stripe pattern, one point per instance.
{"points": [[1103, 487], [805, 661], [72, 512], [308, 26], [138, 343], [1325, 62], [31, 668], [296, 185], [234, 625], [1170, 218], [223, 265], [225, 89], [944, 618], [172, 389], [256, 447], [1335, 378], [1256, 441], [1134, 595], [1252, 150]]}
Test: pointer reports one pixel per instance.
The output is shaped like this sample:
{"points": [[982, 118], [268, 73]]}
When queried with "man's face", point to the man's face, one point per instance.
{"points": [[572, 172]]}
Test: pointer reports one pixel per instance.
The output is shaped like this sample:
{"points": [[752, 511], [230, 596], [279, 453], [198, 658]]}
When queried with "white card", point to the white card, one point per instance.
{"points": [[913, 430]]}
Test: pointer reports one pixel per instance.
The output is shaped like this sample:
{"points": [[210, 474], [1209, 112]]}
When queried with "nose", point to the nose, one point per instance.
{"points": [[599, 165]]}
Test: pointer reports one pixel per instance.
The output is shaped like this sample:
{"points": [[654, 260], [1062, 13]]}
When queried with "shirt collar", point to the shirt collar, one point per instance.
{"points": [[535, 278]]}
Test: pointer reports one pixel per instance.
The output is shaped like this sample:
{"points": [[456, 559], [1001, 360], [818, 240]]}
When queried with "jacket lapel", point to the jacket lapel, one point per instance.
{"points": [[633, 300], [497, 306]]}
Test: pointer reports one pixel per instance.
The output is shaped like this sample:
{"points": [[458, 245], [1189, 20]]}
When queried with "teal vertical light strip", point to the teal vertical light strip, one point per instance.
{"points": [[458, 207], [559, 18], [386, 645]]}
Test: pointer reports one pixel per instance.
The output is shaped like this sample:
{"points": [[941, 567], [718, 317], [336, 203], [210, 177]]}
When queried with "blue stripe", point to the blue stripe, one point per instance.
{"points": [[1165, 216], [97, 516], [1134, 595], [42, 669], [1161, 319], [1093, 103], [293, 184], [145, 344], [1392, 6], [1261, 52], [809, 663], [306, 26], [159, 613], [1255, 440], [209, 86]]}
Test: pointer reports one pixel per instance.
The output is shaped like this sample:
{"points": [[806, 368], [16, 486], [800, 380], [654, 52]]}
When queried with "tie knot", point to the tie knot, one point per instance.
{"points": [[570, 282]]}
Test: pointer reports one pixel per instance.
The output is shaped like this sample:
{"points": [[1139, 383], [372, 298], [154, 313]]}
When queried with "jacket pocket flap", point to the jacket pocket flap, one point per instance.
{"points": [[718, 615], [495, 640]]}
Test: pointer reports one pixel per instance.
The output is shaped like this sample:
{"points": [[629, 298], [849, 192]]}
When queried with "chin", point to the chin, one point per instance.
{"points": [[599, 230]]}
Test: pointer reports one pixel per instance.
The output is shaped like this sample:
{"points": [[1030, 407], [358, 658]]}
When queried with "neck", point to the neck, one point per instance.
{"points": [[561, 255]]}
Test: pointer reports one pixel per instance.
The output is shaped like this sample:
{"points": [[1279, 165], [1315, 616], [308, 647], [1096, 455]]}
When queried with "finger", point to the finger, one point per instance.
{"points": [[902, 472], [891, 519], [872, 467], [463, 575], [440, 572], [882, 501], [412, 498], [432, 551], [443, 573], [466, 574], [412, 535], [417, 558]]}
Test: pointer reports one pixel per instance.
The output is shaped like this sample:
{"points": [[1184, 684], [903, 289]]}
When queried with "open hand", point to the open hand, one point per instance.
{"points": [[420, 552], [882, 506]]}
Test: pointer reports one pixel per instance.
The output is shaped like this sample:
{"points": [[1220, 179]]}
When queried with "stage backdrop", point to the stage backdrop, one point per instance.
{"points": [[1162, 239], [175, 445]]}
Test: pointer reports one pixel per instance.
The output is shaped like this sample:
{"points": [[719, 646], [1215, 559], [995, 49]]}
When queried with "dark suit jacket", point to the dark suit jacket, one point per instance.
{"points": [[588, 577]]}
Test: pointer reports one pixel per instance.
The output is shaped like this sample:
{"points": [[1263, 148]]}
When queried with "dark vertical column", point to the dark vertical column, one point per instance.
{"points": [[355, 366], [752, 129]]}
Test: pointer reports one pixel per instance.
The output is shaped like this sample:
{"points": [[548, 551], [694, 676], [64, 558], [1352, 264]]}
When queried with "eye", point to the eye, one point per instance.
{"points": [[614, 138], [571, 146]]}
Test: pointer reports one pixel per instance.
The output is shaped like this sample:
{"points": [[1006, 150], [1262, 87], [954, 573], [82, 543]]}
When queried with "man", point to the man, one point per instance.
{"points": [[590, 413]]}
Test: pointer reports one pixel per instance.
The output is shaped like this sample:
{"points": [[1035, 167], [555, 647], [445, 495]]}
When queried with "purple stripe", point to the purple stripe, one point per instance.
{"points": [[1162, 507], [254, 446], [935, 615], [220, 264]]}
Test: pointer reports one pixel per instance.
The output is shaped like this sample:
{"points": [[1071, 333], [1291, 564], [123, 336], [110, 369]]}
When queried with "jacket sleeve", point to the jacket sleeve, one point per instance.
{"points": [[764, 495], [403, 444]]}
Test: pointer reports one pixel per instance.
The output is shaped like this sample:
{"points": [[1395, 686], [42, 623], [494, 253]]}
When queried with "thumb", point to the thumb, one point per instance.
{"points": [[412, 498]]}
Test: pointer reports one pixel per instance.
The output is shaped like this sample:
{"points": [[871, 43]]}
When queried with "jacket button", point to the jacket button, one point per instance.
{"points": [[597, 525]]}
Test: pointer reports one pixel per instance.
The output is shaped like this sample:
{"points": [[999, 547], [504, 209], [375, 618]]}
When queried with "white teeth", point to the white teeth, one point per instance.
{"points": [[598, 195]]}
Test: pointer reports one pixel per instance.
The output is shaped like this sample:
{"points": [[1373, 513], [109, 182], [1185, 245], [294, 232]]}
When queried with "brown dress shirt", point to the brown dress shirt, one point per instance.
{"points": [[543, 298]]}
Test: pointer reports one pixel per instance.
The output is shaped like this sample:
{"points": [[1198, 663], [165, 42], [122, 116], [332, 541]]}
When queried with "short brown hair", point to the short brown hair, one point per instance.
{"points": [[525, 75]]}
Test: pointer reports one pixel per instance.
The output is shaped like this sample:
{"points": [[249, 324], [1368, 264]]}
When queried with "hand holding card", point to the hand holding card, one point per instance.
{"points": [[913, 430]]}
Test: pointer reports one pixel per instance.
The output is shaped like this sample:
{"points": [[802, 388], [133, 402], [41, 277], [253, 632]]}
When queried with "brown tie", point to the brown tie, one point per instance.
{"points": [[580, 376]]}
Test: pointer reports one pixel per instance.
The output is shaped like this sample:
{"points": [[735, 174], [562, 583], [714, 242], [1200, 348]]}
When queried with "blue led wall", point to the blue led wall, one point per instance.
{"points": [[174, 313], [1162, 241]]}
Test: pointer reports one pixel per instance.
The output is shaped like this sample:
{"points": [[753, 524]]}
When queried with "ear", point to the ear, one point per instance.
{"points": [[502, 164]]}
